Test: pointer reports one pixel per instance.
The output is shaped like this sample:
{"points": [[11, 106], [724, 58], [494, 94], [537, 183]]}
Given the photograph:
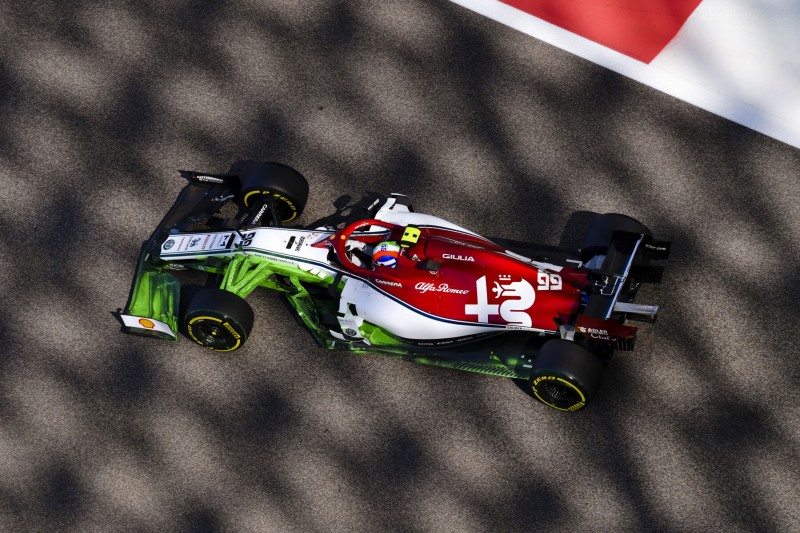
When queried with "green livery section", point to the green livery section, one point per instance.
{"points": [[156, 295]]}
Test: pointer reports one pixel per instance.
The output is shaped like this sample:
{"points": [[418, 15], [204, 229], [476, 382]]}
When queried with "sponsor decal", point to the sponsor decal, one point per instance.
{"points": [[284, 199], [275, 258], [169, 244], [350, 332], [193, 242], [592, 331], [458, 257], [233, 331], [205, 242], [389, 283], [597, 334], [515, 297], [260, 213], [300, 242], [447, 342], [442, 287], [145, 323], [209, 179]]}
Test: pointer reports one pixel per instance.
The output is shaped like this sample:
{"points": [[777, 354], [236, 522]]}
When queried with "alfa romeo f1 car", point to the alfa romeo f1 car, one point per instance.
{"points": [[446, 296]]}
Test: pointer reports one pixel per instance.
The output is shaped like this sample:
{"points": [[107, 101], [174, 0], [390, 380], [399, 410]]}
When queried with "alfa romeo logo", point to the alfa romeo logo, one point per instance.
{"points": [[514, 299], [169, 244], [511, 299]]}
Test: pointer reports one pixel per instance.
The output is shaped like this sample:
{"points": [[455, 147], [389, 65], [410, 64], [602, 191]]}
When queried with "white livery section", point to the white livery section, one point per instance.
{"points": [[290, 246], [376, 308]]}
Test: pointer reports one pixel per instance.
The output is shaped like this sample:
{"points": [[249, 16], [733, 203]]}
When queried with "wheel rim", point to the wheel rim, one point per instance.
{"points": [[214, 333], [286, 207], [558, 393]]}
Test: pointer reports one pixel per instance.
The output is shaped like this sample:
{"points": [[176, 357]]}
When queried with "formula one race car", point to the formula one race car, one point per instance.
{"points": [[398, 283]]}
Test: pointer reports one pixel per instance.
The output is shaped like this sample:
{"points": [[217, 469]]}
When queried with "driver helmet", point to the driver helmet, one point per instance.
{"points": [[386, 253]]}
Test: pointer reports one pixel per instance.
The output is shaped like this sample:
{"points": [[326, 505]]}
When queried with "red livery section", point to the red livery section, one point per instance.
{"points": [[637, 28], [471, 279]]}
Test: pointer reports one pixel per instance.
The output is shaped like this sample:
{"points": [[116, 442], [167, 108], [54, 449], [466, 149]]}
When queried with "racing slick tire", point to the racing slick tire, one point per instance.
{"points": [[218, 320], [599, 238], [565, 375], [280, 183]]}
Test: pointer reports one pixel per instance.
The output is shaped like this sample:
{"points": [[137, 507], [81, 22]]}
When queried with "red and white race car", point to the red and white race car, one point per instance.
{"points": [[399, 283]]}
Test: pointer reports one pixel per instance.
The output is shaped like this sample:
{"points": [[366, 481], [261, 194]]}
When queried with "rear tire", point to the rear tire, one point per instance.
{"points": [[284, 185], [218, 320], [565, 375]]}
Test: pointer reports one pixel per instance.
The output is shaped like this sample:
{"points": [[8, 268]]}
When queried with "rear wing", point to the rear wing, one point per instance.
{"points": [[628, 258]]}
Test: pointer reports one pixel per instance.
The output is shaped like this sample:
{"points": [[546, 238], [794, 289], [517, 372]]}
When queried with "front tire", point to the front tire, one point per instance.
{"points": [[218, 320], [565, 375], [283, 185]]}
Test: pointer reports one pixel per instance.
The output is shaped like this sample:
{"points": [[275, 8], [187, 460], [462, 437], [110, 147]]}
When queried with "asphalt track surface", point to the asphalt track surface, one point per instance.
{"points": [[697, 430]]}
